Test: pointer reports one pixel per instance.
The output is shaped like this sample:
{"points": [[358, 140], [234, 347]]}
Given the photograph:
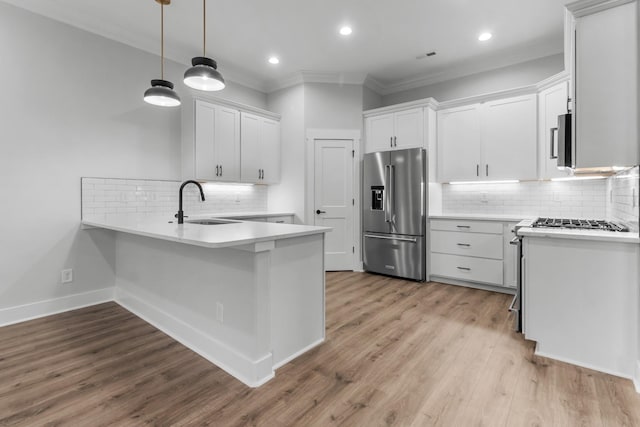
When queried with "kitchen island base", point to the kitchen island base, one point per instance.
{"points": [[248, 309], [581, 302]]}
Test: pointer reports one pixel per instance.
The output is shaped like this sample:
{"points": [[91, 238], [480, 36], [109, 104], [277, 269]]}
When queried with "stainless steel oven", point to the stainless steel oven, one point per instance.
{"points": [[516, 304]]}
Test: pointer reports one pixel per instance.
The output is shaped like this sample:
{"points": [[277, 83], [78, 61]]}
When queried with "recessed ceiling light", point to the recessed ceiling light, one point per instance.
{"points": [[274, 60], [485, 36], [346, 30]]}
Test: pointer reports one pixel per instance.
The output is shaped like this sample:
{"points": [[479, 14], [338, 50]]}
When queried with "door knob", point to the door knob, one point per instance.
{"points": [[319, 212]]}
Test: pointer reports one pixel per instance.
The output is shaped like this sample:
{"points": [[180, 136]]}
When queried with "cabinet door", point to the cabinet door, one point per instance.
{"points": [[552, 102], [250, 147], [459, 144], [606, 86], [205, 161], [227, 143], [409, 129], [270, 151], [509, 139], [379, 133]]}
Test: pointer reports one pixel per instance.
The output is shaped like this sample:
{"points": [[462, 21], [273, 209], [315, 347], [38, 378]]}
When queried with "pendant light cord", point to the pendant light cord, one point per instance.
{"points": [[204, 28], [162, 41]]}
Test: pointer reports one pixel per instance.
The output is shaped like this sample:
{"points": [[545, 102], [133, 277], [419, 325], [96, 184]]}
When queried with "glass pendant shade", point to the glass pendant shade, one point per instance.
{"points": [[203, 75], [161, 93]]}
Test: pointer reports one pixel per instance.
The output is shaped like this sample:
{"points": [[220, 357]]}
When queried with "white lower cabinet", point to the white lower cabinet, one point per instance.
{"points": [[473, 252]]}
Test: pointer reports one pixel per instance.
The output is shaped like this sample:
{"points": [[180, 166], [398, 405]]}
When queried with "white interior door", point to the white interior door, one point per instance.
{"points": [[334, 200]]}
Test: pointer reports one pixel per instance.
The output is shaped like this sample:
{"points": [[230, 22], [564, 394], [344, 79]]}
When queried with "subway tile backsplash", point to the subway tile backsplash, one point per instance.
{"points": [[112, 196], [568, 199], [622, 197]]}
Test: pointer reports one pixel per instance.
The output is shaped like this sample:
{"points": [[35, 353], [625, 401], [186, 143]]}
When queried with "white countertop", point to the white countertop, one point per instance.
{"points": [[482, 217], [236, 233], [564, 233]]}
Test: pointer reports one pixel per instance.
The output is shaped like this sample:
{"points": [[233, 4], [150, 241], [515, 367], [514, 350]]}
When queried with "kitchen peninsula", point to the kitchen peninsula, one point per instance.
{"points": [[247, 296]]}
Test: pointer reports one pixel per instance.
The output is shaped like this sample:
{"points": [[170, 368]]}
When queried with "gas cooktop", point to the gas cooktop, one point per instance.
{"points": [[581, 224]]}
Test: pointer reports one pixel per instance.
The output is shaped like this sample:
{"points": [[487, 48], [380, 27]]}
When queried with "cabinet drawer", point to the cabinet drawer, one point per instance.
{"points": [[489, 227], [285, 219], [467, 268], [469, 244]]}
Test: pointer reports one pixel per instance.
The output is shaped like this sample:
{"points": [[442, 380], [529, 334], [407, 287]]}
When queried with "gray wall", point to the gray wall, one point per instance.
{"points": [[370, 99], [522, 74], [72, 106], [332, 106]]}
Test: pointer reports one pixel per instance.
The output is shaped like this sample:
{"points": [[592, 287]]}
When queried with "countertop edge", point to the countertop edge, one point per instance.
{"points": [[206, 244], [615, 237]]}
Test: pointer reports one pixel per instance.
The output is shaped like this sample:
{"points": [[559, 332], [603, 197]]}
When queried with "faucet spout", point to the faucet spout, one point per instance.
{"points": [[180, 214]]}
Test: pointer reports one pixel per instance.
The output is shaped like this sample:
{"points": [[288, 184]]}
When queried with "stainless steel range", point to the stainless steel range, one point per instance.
{"points": [[581, 224]]}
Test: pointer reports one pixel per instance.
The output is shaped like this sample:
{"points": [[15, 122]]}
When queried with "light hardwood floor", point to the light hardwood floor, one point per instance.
{"points": [[397, 353]]}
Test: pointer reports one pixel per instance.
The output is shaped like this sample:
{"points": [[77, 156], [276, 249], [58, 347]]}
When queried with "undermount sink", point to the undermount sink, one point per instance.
{"points": [[209, 221]]}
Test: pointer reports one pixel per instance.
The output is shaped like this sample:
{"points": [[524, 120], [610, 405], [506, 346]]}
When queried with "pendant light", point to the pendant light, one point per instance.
{"points": [[161, 92], [204, 75]]}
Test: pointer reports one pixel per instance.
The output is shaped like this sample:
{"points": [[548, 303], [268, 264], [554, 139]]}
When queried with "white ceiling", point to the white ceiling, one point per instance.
{"points": [[387, 35]]}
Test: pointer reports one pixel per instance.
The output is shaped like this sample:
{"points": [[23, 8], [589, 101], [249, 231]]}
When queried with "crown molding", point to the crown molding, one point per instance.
{"points": [[426, 102], [490, 64], [588, 7], [562, 76], [329, 77], [374, 84]]}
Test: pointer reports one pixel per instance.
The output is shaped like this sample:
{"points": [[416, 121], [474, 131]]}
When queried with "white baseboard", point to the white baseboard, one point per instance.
{"points": [[298, 353], [537, 352], [253, 373], [22, 313]]}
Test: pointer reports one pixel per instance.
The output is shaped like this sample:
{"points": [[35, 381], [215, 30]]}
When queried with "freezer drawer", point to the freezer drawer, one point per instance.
{"points": [[395, 255]]}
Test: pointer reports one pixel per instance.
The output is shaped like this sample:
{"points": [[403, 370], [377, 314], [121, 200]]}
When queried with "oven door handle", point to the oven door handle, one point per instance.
{"points": [[513, 303], [515, 241]]}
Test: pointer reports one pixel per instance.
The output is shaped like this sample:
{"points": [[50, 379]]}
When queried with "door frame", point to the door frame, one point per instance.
{"points": [[335, 134]]}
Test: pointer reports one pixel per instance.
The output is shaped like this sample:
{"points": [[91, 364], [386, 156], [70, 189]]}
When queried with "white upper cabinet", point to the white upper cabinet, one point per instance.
{"points": [[396, 130], [217, 142], [495, 140], [379, 133], [509, 138], [260, 149], [552, 102], [606, 83], [229, 142], [459, 144]]}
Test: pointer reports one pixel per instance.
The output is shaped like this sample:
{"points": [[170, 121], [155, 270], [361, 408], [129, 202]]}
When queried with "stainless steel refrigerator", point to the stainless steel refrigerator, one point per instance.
{"points": [[395, 192]]}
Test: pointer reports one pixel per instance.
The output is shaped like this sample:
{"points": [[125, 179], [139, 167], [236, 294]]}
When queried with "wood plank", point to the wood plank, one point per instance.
{"points": [[397, 353]]}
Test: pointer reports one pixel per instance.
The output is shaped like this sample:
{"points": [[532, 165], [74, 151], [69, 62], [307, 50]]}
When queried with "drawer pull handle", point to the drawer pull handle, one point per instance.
{"points": [[464, 268], [463, 226], [466, 245]]}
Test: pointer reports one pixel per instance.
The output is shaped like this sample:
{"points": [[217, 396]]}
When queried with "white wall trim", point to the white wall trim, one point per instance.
{"points": [[317, 77], [335, 134], [538, 352], [23, 313], [236, 105], [588, 7], [552, 81], [426, 102], [636, 377], [226, 358]]}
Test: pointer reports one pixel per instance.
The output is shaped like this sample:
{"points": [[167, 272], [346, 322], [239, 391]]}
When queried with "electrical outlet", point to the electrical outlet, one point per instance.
{"points": [[66, 276], [220, 312]]}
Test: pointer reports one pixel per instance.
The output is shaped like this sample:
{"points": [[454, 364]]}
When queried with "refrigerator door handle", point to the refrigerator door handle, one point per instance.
{"points": [[387, 207], [392, 195], [401, 239]]}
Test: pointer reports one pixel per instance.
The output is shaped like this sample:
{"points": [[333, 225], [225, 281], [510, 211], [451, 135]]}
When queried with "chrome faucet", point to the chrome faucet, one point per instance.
{"points": [[180, 214]]}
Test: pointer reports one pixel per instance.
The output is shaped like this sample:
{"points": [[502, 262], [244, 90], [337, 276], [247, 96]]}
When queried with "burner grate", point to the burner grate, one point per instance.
{"points": [[582, 224]]}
